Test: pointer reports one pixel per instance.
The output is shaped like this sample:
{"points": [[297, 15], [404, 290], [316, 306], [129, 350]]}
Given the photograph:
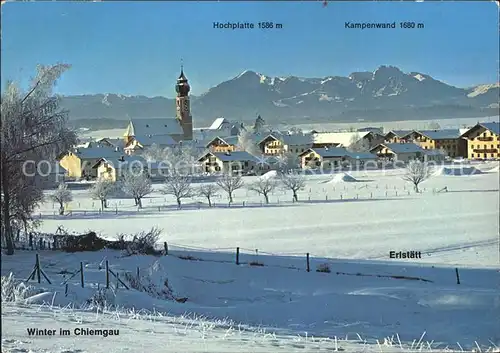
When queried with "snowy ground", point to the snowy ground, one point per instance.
{"points": [[350, 226], [360, 220]]}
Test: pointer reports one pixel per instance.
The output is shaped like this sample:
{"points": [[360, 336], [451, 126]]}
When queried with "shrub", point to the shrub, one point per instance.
{"points": [[14, 290], [324, 267], [102, 299]]}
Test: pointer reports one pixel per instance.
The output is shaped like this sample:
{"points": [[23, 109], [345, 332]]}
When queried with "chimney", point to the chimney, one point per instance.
{"points": [[122, 158], [326, 148], [228, 153], [117, 149]]}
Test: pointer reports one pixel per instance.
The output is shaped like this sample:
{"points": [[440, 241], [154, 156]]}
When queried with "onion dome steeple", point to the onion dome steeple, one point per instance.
{"points": [[182, 87]]}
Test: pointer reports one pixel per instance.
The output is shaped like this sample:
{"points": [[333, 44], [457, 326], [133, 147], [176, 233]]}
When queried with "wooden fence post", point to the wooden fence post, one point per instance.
{"points": [[107, 274], [138, 273], [37, 261], [81, 274], [458, 276], [307, 259], [165, 246], [237, 256]]}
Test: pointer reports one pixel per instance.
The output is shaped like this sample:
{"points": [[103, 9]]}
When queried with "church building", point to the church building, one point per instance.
{"points": [[140, 132]]}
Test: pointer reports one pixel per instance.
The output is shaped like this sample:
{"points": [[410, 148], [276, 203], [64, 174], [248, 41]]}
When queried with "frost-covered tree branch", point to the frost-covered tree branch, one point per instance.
{"points": [[416, 173], [62, 195], [179, 186], [208, 191], [33, 128], [264, 186], [230, 183], [358, 144], [102, 190], [247, 143], [137, 185], [293, 182]]}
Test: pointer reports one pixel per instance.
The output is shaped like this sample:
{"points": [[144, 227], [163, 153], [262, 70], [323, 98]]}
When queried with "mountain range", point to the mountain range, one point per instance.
{"points": [[383, 95]]}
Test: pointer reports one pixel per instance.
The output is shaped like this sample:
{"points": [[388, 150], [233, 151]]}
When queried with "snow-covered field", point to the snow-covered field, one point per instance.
{"points": [[349, 226]]}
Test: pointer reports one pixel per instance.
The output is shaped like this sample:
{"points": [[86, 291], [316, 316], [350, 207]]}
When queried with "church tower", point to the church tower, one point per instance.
{"points": [[183, 107]]}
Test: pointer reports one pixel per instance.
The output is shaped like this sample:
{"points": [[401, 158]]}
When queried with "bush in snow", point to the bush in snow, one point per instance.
{"points": [[142, 243], [14, 290], [102, 299], [155, 283], [323, 268]]}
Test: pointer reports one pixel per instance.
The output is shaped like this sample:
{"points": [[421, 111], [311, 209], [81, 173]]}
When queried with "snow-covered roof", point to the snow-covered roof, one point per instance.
{"points": [[401, 147], [97, 152], [446, 134], [236, 156], [160, 140], [145, 127], [230, 140], [290, 139], [328, 152], [123, 161], [218, 124], [400, 133], [494, 127], [342, 138], [362, 155]]}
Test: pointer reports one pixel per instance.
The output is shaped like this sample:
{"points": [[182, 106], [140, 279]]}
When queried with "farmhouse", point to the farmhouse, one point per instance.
{"points": [[483, 141], [113, 168], [137, 144], [223, 144], [360, 158], [231, 162], [448, 140], [397, 136], [398, 151], [323, 157], [79, 162], [346, 139], [153, 127], [278, 143]]}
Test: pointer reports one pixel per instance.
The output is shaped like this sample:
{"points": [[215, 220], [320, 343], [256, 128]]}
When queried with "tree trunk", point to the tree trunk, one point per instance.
{"points": [[230, 197], [209, 201], [295, 197], [135, 201], [139, 202], [103, 204], [61, 209], [416, 188], [6, 209], [178, 203], [267, 198]]}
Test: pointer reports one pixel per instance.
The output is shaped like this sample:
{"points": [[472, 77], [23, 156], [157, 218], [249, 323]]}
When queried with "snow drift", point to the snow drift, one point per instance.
{"points": [[269, 175], [457, 171], [343, 177]]}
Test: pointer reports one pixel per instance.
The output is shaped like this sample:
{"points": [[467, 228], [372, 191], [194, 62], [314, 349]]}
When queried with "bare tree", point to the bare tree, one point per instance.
{"points": [[33, 128], [230, 183], [137, 185], [246, 142], [358, 144], [102, 190], [179, 186], [264, 186], [434, 126], [417, 172], [293, 182], [209, 191], [62, 195]]}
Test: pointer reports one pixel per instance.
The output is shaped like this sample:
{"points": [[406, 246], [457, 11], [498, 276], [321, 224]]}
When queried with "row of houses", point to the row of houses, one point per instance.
{"points": [[482, 141], [103, 158]]}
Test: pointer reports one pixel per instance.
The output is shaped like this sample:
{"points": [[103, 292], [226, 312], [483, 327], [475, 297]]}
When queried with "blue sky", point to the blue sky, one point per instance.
{"points": [[136, 48]]}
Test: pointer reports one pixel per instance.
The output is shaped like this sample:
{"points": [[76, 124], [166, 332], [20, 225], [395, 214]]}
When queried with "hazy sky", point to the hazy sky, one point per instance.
{"points": [[136, 48]]}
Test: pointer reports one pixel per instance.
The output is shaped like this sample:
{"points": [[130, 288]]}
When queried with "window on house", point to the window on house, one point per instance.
{"points": [[472, 155], [471, 146], [493, 155]]}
